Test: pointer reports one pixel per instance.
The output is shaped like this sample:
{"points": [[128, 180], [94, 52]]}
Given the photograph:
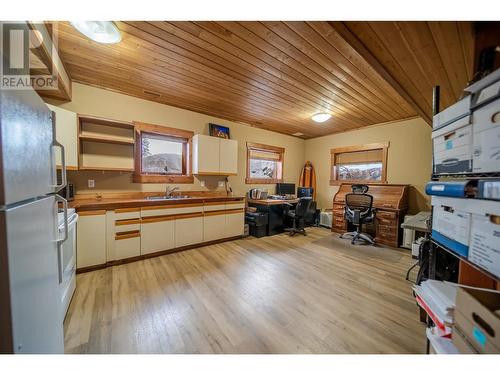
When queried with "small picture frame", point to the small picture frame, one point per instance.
{"points": [[218, 131]]}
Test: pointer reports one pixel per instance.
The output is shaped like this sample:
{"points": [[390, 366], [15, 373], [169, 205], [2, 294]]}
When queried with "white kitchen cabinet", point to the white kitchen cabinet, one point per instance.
{"points": [[205, 155], [214, 225], [127, 245], [91, 239], [235, 221], [157, 235], [189, 230], [67, 135], [214, 156], [228, 157]]}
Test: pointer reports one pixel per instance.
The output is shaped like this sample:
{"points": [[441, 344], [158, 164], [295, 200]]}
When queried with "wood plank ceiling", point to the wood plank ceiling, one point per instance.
{"points": [[276, 75]]}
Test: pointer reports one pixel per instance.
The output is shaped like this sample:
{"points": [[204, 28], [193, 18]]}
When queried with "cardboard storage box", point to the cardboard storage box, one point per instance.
{"points": [[452, 149], [461, 343], [457, 113], [484, 244], [486, 138], [451, 223], [477, 316]]}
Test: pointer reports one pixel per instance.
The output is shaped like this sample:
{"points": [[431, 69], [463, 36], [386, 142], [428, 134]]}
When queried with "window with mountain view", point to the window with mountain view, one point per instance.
{"points": [[264, 164], [162, 154]]}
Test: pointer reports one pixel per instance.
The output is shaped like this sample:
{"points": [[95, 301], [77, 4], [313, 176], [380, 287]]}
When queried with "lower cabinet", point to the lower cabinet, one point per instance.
{"points": [[127, 245], [235, 221], [91, 239], [157, 234], [214, 224], [188, 230]]}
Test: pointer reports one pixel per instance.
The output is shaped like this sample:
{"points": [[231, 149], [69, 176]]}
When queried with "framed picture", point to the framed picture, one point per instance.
{"points": [[218, 131]]}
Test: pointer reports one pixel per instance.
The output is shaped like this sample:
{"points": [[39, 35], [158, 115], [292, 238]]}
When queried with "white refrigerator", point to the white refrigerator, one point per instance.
{"points": [[30, 261]]}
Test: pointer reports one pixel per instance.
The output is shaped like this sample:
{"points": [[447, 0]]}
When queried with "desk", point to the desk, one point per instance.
{"points": [[275, 209], [419, 223], [390, 202]]}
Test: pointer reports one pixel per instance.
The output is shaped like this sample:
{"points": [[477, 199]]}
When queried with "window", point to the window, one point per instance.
{"points": [[365, 163], [162, 154], [264, 164]]}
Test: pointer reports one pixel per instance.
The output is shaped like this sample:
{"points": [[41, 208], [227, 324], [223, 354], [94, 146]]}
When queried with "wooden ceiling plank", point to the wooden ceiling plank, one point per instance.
{"points": [[273, 44], [152, 35], [467, 42], [298, 80], [329, 33], [419, 104], [329, 70]]}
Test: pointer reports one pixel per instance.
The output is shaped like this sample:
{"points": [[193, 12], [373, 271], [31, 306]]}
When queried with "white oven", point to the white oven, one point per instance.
{"points": [[68, 261]]}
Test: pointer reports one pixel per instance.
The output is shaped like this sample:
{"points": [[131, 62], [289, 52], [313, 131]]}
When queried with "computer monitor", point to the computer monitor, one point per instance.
{"points": [[305, 192], [285, 189]]}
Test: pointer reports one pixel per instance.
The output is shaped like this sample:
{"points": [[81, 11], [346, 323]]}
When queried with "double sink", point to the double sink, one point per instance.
{"points": [[165, 197]]}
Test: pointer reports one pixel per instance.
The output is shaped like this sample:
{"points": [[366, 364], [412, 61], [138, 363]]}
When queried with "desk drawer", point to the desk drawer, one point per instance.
{"points": [[386, 215], [387, 235], [384, 222]]}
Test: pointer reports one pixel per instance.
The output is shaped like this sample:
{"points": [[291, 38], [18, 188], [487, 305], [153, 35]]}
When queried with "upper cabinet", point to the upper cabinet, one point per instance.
{"points": [[214, 156], [67, 135]]}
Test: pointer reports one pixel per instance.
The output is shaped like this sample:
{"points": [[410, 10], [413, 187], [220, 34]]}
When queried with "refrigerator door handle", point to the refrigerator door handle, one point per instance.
{"points": [[56, 144], [60, 241]]}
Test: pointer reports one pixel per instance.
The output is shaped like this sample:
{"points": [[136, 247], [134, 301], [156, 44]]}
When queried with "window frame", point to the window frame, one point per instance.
{"points": [[384, 146], [266, 148], [186, 136]]}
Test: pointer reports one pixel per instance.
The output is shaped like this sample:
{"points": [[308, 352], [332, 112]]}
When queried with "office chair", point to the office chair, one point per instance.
{"points": [[299, 216], [358, 210]]}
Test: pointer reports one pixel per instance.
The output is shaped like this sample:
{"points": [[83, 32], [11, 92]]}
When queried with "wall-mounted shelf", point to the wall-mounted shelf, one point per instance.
{"points": [[105, 145]]}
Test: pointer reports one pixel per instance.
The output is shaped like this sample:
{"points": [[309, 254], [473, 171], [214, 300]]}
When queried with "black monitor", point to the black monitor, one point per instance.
{"points": [[285, 189], [305, 192]]}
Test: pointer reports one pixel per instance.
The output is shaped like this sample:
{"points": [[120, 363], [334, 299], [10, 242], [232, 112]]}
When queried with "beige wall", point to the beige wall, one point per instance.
{"points": [[409, 157], [102, 103]]}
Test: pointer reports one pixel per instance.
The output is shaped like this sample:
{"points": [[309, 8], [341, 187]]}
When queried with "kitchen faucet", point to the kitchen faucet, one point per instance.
{"points": [[169, 191]]}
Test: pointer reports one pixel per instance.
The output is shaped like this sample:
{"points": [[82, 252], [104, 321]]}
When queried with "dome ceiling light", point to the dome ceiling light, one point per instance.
{"points": [[104, 32]]}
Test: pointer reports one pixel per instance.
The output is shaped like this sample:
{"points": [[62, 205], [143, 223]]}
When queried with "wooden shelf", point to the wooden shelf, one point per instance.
{"points": [[104, 121], [465, 260], [104, 139], [87, 168]]}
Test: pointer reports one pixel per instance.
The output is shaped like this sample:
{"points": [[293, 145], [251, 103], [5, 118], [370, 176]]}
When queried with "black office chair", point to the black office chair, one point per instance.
{"points": [[358, 210], [304, 209]]}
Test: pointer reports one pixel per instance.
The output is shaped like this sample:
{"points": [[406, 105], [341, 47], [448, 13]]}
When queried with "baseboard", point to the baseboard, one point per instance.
{"points": [[153, 255]]}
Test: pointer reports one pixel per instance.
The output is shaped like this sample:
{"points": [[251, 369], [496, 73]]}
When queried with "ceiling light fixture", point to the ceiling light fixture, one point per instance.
{"points": [[104, 32], [321, 117]]}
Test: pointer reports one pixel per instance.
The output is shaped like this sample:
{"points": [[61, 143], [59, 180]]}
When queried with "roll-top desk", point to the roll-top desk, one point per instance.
{"points": [[390, 202]]}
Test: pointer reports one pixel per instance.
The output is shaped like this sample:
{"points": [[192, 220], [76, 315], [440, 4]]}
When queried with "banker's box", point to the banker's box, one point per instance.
{"points": [[486, 138], [451, 223], [484, 246], [477, 317]]}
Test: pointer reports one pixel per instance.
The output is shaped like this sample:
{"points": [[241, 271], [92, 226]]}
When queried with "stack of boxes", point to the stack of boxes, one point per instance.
{"points": [[466, 158]]}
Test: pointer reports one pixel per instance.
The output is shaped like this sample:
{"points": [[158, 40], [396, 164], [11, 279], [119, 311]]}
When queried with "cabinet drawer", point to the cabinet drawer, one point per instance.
{"points": [[171, 210], [387, 222], [338, 207], [127, 213], [127, 245], [234, 205], [214, 206], [387, 235], [127, 225], [386, 214]]}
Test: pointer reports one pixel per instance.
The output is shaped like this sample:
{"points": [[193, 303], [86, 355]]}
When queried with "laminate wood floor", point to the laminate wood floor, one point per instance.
{"points": [[275, 294]]}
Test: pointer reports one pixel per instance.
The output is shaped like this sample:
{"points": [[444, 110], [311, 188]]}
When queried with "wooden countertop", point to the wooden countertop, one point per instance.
{"points": [[272, 202], [112, 203]]}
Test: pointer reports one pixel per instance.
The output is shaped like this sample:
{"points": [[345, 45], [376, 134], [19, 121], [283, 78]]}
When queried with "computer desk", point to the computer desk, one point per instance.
{"points": [[275, 208]]}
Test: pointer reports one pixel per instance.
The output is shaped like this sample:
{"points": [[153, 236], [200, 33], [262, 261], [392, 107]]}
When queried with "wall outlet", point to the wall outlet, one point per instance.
{"points": [[221, 183], [91, 183], [202, 183]]}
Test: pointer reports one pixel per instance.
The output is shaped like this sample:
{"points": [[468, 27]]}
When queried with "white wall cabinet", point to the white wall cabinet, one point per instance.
{"points": [[91, 239], [157, 235], [214, 156], [67, 135], [188, 231]]}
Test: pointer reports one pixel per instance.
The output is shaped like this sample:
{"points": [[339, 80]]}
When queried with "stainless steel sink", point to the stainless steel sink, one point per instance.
{"points": [[164, 197]]}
